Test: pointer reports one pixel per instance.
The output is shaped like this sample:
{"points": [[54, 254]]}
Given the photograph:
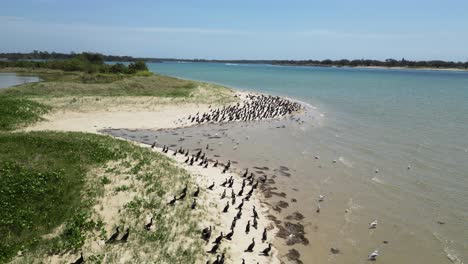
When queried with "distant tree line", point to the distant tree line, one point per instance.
{"points": [[44, 55], [376, 63], [85, 62]]}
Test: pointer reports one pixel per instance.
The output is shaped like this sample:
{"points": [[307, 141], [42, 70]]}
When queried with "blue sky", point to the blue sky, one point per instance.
{"points": [[240, 29]]}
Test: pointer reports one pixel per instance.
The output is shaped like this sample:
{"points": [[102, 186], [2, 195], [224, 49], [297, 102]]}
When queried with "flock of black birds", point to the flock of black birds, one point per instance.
{"points": [[258, 107], [249, 184]]}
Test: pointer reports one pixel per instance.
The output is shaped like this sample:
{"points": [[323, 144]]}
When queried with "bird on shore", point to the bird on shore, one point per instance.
{"points": [[241, 192], [206, 234], [173, 201], [255, 214], [233, 224], [321, 198], [251, 246], [125, 235], [153, 145], [239, 214], [247, 227], [219, 239], [214, 262], [229, 235], [239, 207], [224, 183], [185, 189], [255, 223], [114, 236], [266, 251], [245, 173], [318, 208], [194, 204], [223, 195], [373, 256], [215, 164], [149, 225], [182, 196], [79, 260], [231, 182], [373, 225], [226, 208], [195, 194], [213, 249], [211, 186], [264, 235]]}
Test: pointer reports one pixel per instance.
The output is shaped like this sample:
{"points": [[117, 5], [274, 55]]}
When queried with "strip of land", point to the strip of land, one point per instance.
{"points": [[101, 183]]}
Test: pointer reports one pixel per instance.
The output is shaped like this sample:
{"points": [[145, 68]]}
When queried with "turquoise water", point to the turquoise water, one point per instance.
{"points": [[411, 125]]}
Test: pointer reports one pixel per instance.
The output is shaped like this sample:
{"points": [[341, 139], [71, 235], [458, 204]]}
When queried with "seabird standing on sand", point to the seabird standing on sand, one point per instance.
{"points": [[264, 235], [172, 202], [321, 198], [373, 225], [373, 256], [251, 246], [114, 236], [266, 251], [206, 234], [211, 186], [149, 225]]}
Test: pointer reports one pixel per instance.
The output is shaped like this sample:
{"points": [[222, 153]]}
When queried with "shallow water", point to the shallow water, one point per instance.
{"points": [[11, 79], [366, 119]]}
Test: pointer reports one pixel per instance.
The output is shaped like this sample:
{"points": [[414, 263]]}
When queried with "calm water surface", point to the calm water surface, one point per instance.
{"points": [[11, 79], [411, 126]]}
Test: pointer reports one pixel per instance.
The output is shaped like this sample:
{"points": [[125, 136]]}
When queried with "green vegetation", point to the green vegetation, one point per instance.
{"points": [[84, 62], [16, 112], [158, 85], [44, 177]]}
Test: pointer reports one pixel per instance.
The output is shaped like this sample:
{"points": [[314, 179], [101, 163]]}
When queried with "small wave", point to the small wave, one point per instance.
{"points": [[231, 64], [346, 162], [377, 180], [449, 252]]}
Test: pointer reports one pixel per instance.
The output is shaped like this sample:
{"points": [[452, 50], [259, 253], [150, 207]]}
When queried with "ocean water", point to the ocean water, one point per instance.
{"points": [[11, 79], [410, 125]]}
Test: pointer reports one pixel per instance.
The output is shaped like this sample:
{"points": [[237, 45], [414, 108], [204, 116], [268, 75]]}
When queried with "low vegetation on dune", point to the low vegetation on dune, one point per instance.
{"points": [[16, 112], [65, 193], [159, 86]]}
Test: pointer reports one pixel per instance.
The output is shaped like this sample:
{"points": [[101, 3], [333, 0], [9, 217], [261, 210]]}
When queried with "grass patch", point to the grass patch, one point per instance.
{"points": [[17, 112], [41, 175], [51, 183]]}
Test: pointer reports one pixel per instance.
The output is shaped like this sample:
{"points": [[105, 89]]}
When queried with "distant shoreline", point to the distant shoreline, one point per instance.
{"points": [[378, 67]]}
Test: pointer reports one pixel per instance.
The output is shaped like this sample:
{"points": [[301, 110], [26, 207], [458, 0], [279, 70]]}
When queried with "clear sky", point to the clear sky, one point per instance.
{"points": [[240, 29]]}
